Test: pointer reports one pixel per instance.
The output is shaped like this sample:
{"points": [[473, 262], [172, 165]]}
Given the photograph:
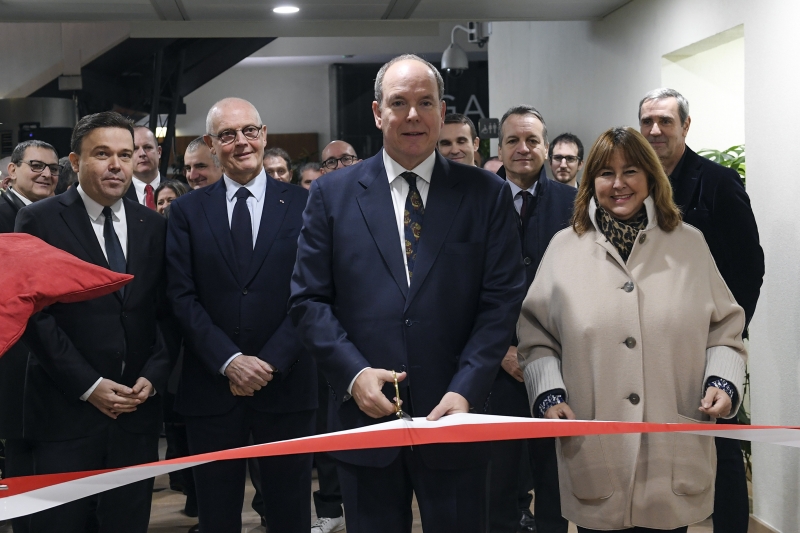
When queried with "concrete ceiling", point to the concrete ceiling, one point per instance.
{"points": [[310, 10]]}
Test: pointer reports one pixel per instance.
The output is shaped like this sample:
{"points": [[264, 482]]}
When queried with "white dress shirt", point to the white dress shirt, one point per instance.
{"points": [[255, 204], [399, 188], [516, 193], [98, 220], [18, 195], [139, 185]]}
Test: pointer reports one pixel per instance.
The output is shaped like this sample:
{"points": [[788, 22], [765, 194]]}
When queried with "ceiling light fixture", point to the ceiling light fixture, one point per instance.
{"points": [[286, 10]]}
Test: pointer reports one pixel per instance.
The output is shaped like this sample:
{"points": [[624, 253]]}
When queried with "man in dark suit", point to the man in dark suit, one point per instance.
{"points": [[146, 177], [34, 176], [409, 263], [712, 199], [91, 397], [231, 248], [543, 207]]}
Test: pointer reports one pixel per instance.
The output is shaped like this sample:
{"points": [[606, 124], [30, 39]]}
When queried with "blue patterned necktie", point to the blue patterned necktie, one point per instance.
{"points": [[242, 230], [114, 254], [412, 221]]}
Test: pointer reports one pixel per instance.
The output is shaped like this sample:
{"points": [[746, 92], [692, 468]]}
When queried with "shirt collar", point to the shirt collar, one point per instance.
{"points": [[257, 186], [516, 189], [140, 185], [424, 170], [22, 198], [95, 210]]}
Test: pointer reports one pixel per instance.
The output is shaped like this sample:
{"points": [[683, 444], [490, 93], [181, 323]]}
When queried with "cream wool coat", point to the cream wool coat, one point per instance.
{"points": [[580, 330]]}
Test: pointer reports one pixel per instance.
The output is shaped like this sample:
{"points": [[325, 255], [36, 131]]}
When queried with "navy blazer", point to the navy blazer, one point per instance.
{"points": [[449, 329], [712, 199], [552, 213], [74, 344], [221, 314]]}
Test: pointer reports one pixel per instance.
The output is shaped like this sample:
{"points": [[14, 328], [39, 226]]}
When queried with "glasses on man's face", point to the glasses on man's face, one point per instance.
{"points": [[571, 159], [39, 166], [228, 136], [331, 163]]}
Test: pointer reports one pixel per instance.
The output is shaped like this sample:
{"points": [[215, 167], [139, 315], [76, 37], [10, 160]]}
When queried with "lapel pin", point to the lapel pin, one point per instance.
{"points": [[281, 201]]}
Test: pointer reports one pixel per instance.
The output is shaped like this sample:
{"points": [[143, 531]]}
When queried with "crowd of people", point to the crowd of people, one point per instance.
{"points": [[272, 302]]}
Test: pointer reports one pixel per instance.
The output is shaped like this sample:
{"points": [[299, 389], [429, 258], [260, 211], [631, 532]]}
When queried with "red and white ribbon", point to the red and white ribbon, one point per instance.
{"points": [[26, 495]]}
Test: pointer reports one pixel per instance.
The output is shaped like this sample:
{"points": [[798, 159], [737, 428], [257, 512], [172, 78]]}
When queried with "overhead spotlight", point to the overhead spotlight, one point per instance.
{"points": [[454, 59], [286, 10]]}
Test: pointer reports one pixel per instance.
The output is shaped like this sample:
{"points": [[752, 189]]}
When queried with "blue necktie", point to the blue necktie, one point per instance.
{"points": [[116, 259], [242, 230], [412, 221]]}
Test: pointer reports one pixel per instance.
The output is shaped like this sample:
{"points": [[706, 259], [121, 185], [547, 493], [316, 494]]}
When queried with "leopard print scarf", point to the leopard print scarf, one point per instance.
{"points": [[621, 233]]}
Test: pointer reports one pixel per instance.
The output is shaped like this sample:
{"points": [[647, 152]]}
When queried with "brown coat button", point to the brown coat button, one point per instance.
{"points": [[634, 398], [630, 342]]}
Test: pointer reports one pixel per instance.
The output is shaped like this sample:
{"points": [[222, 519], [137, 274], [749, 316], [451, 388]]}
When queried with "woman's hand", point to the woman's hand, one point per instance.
{"points": [[716, 404], [560, 411]]}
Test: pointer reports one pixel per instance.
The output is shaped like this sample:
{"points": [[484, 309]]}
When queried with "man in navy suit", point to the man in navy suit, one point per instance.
{"points": [[409, 262], [712, 199], [231, 248]]}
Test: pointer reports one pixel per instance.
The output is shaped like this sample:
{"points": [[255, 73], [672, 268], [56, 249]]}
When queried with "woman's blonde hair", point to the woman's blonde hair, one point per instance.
{"points": [[637, 151]]}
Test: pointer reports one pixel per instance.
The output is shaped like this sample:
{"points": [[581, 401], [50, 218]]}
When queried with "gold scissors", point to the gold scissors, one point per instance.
{"points": [[397, 410]]}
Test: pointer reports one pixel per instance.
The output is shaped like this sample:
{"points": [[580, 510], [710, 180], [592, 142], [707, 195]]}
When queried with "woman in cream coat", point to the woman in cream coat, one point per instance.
{"points": [[628, 319]]}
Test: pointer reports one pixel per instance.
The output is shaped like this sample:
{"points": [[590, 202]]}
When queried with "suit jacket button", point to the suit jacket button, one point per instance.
{"points": [[634, 398], [408, 322], [244, 291], [236, 331], [630, 342], [642, 238], [527, 261], [628, 287]]}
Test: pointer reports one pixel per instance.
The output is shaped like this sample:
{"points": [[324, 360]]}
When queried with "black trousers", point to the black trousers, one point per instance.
{"points": [[379, 499], [285, 480], [635, 530], [122, 510], [504, 485], [19, 462], [328, 499], [731, 502]]}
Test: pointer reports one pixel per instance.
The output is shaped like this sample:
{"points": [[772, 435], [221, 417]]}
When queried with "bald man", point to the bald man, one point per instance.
{"points": [[230, 249], [338, 154]]}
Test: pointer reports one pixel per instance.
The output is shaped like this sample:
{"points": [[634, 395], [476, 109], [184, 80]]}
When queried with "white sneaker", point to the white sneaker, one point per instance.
{"points": [[328, 525]]}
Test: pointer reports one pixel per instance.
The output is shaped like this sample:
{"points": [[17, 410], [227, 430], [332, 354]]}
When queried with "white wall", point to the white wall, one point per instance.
{"points": [[713, 82], [589, 76], [290, 99]]}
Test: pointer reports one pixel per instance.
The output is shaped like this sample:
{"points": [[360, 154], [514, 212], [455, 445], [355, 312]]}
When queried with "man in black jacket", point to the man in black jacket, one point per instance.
{"points": [[33, 177], [543, 207], [91, 397], [712, 199]]}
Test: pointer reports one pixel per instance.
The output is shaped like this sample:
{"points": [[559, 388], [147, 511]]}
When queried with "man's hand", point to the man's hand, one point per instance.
{"points": [[560, 411], [366, 391], [511, 364], [248, 372], [111, 398], [240, 391], [141, 390], [451, 403], [716, 404]]}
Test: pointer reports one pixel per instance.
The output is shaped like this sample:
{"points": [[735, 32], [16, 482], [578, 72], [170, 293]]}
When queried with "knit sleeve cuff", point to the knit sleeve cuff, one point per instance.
{"points": [[542, 375], [726, 363]]}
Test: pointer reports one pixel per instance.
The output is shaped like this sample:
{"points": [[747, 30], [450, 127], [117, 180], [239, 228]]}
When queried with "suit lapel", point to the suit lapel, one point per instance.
{"points": [[137, 251], [440, 210], [130, 194], [378, 211], [684, 185], [216, 211], [276, 205], [77, 220]]}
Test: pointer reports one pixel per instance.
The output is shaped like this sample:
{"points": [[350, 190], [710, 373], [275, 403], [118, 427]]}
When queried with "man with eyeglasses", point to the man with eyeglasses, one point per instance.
{"points": [[146, 177], [338, 154], [566, 158], [231, 249], [33, 171]]}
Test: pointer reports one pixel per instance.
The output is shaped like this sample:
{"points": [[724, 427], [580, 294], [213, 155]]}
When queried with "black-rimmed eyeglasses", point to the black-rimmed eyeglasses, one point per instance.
{"points": [[571, 159], [228, 136], [39, 166], [331, 163]]}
